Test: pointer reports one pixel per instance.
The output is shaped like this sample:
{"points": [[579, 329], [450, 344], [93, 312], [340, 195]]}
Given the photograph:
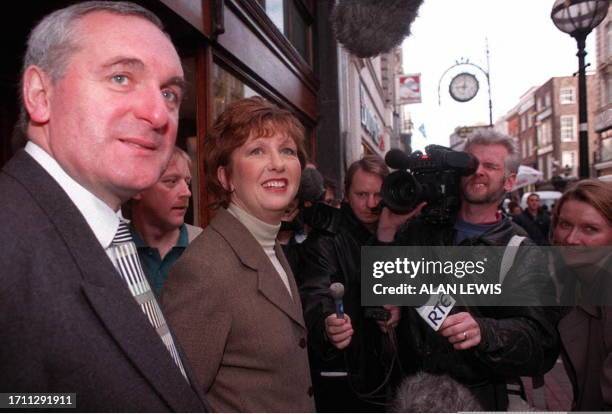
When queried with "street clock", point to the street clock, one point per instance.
{"points": [[463, 87]]}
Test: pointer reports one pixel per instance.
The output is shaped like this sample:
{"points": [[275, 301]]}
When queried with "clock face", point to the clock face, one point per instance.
{"points": [[463, 87]]}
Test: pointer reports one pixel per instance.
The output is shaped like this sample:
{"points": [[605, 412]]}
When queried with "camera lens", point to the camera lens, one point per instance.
{"points": [[401, 192]]}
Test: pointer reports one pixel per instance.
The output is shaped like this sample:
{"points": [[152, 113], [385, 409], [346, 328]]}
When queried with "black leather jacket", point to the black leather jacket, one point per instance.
{"points": [[516, 341], [537, 227], [334, 255]]}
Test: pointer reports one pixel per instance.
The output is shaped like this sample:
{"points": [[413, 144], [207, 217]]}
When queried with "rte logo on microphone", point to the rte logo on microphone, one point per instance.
{"points": [[436, 310]]}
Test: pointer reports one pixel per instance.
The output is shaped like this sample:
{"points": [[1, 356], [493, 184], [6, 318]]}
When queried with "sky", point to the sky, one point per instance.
{"points": [[525, 50]]}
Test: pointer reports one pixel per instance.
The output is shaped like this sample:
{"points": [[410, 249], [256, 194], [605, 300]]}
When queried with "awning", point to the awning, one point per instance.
{"points": [[526, 176]]}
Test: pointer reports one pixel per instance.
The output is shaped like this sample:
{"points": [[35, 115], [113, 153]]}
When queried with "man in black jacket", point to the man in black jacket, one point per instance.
{"points": [[482, 347], [348, 358], [534, 220]]}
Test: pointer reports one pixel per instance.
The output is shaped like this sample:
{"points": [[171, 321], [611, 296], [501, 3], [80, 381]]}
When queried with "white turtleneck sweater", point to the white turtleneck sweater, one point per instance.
{"points": [[265, 234]]}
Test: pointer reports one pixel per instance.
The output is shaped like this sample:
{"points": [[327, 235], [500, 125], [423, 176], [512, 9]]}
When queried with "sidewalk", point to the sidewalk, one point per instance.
{"points": [[556, 394]]}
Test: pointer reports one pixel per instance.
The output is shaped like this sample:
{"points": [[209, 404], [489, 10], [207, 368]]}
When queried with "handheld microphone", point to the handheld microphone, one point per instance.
{"points": [[435, 311], [336, 291]]}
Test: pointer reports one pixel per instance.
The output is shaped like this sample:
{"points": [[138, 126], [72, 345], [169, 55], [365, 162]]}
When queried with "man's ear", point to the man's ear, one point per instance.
{"points": [[223, 177], [510, 180], [36, 92]]}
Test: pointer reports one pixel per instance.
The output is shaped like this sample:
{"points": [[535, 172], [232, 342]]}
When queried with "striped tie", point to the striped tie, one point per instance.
{"points": [[125, 259]]}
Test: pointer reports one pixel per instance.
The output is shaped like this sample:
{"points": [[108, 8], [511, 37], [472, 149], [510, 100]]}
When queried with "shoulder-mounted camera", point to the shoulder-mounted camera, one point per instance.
{"points": [[433, 177]]}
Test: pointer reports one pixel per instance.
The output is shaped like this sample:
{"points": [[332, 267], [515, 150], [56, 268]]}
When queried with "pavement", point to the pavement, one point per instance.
{"points": [[555, 395]]}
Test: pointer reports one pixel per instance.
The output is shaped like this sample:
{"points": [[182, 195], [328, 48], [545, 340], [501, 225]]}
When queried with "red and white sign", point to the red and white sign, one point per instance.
{"points": [[409, 90]]}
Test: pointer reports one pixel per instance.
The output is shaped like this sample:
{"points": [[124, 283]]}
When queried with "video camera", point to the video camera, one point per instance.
{"points": [[321, 216], [433, 177]]}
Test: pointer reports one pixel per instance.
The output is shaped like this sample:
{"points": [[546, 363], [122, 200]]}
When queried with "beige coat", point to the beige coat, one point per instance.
{"points": [[243, 333]]}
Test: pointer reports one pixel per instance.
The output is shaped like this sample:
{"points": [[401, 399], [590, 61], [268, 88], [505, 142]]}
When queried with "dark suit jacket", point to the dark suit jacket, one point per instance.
{"points": [[243, 333], [67, 320]]}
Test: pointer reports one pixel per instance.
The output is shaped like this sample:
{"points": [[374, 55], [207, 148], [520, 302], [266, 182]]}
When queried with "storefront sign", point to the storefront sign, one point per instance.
{"points": [[369, 121], [409, 89]]}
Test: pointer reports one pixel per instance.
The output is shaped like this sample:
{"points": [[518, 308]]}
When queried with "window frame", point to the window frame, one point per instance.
{"points": [[563, 129], [306, 11], [573, 155], [566, 98]]}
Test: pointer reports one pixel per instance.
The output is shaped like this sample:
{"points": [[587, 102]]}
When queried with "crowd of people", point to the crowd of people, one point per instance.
{"points": [[153, 314]]}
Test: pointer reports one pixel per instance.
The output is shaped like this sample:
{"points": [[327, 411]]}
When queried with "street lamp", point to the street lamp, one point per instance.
{"points": [[578, 18]]}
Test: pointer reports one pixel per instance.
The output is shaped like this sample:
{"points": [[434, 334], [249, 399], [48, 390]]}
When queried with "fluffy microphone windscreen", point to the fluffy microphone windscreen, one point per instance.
{"points": [[311, 186], [429, 393], [368, 28]]}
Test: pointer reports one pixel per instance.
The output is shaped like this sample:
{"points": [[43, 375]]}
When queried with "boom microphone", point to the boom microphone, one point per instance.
{"points": [[367, 28], [336, 291], [397, 159], [312, 186], [428, 393]]}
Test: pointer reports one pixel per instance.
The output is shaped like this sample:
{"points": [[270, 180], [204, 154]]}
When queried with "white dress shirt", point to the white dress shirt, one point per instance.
{"points": [[102, 220]]}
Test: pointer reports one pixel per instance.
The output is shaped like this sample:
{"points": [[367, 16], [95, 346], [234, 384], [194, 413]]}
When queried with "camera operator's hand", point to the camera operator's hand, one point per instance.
{"points": [[389, 222], [394, 317], [461, 330], [291, 211], [339, 331]]}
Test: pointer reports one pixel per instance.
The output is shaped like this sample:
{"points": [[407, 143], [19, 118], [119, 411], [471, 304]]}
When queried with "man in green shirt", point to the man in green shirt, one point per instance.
{"points": [[158, 220]]}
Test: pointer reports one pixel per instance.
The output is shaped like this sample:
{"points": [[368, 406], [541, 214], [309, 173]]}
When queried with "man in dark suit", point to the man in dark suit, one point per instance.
{"points": [[101, 86]]}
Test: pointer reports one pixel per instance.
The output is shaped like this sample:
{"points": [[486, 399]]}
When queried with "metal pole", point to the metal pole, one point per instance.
{"points": [[489, 84], [583, 136]]}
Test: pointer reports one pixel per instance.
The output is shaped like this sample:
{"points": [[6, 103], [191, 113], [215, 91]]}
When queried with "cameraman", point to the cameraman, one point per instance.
{"points": [[346, 354], [482, 347]]}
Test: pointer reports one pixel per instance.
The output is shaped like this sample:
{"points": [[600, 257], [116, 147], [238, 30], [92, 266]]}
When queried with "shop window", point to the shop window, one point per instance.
{"points": [[276, 12], [299, 35], [226, 89], [293, 20], [187, 134]]}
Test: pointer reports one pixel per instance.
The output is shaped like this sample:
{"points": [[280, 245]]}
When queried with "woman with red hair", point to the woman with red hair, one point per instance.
{"points": [[582, 223], [231, 298]]}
